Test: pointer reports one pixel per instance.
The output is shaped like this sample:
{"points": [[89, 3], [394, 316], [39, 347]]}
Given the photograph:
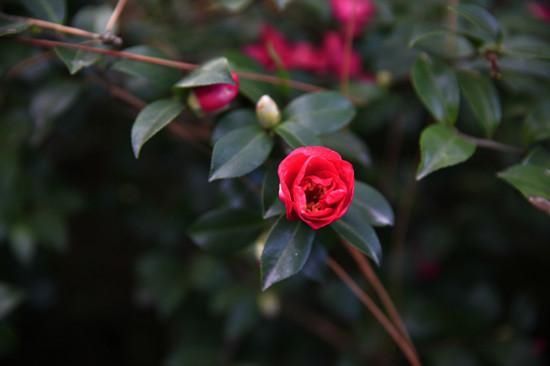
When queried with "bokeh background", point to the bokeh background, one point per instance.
{"points": [[96, 267]]}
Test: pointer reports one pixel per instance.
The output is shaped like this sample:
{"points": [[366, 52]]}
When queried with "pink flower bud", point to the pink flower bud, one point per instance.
{"points": [[212, 98], [356, 12]]}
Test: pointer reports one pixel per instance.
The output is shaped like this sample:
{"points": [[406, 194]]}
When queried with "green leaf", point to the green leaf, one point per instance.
{"points": [[437, 87], [532, 176], [483, 99], [240, 152], [9, 27], [286, 251], [537, 123], [153, 118], [226, 230], [443, 44], [212, 72], [233, 120], [321, 112], [482, 24], [10, 298], [372, 205], [271, 205], [160, 76], [76, 60], [251, 89], [441, 146], [348, 144], [526, 47], [354, 228], [296, 135], [52, 10]]}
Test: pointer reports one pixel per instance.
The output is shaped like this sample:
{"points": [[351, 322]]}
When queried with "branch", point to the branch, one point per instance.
{"points": [[298, 85], [491, 145], [372, 278], [115, 15], [106, 38], [376, 312]]}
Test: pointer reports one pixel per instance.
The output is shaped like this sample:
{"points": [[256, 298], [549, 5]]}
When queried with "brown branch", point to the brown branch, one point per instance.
{"points": [[373, 279], [169, 63], [490, 144], [375, 311], [115, 15], [60, 28]]}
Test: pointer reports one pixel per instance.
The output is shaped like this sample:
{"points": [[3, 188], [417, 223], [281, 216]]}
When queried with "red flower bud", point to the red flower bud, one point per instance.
{"points": [[212, 98], [316, 185], [358, 12]]}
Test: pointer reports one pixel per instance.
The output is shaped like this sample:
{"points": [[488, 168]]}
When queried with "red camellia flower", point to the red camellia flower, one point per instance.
{"points": [[316, 185], [357, 11], [212, 98]]}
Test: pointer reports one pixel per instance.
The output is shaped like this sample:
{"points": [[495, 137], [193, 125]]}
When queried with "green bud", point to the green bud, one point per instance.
{"points": [[268, 112]]}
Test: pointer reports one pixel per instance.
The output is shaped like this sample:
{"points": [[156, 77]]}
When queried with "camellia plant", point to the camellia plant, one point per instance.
{"points": [[275, 114]]}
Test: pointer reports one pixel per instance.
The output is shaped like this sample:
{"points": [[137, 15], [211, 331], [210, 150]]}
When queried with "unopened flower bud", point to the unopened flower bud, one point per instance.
{"points": [[213, 98], [269, 304], [268, 112], [384, 78]]}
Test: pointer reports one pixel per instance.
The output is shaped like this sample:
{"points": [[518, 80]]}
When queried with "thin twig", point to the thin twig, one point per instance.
{"points": [[44, 24], [115, 15], [491, 145], [375, 311], [185, 66], [379, 288], [350, 28]]}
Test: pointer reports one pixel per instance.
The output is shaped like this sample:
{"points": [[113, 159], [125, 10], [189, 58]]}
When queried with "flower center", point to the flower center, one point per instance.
{"points": [[314, 194]]}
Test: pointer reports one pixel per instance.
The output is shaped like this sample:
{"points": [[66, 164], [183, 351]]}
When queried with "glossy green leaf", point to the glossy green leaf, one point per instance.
{"points": [[321, 112], [349, 145], [286, 251], [355, 228], [212, 72], [372, 205], [437, 87], [526, 47], [271, 205], [153, 118], [537, 123], [240, 152], [52, 10], [233, 120], [481, 23], [159, 76], [226, 230], [441, 146], [296, 135], [443, 44], [9, 27], [532, 176], [251, 89], [76, 60], [10, 298], [482, 98]]}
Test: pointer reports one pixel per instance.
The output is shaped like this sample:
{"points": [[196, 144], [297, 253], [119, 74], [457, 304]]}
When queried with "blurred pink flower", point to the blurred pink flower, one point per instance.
{"points": [[540, 10], [272, 48], [358, 12]]}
